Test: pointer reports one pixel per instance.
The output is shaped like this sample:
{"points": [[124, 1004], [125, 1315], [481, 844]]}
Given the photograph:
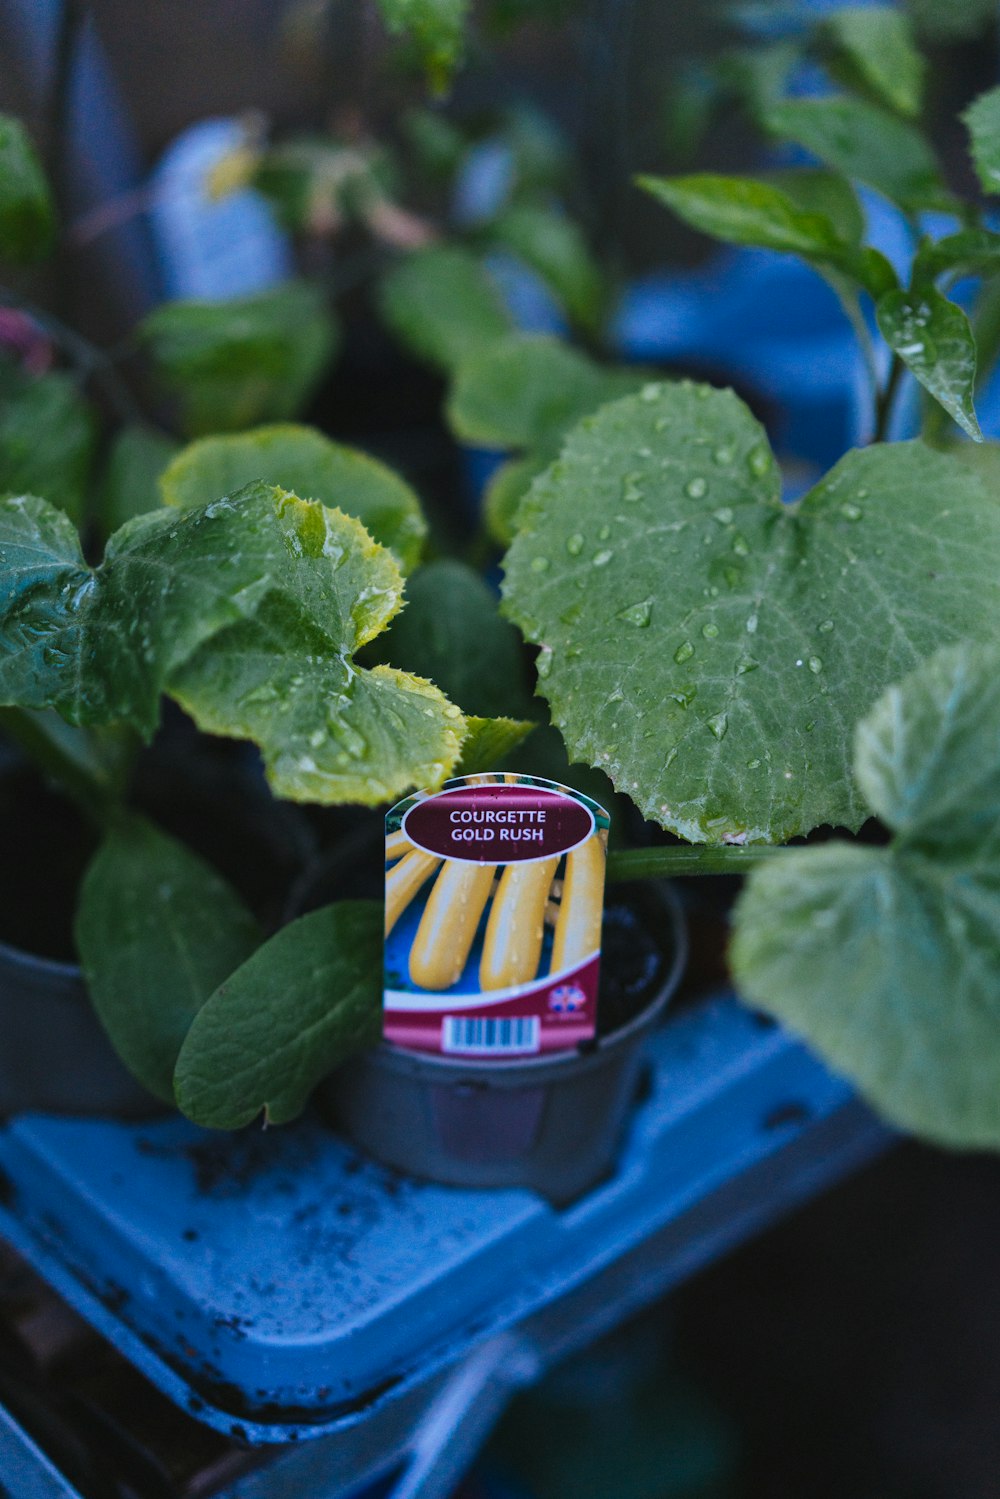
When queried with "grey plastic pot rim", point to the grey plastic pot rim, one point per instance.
{"points": [[430, 1064], [55, 968]]}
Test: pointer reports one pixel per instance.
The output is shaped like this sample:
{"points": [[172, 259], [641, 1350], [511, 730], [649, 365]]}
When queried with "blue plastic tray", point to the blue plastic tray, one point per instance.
{"points": [[280, 1287]]}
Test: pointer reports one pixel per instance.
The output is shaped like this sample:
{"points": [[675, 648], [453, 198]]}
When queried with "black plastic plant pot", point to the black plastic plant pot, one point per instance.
{"points": [[552, 1124], [54, 1055]]}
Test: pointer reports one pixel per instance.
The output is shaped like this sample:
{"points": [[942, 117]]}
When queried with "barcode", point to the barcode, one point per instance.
{"points": [[475, 1034]]}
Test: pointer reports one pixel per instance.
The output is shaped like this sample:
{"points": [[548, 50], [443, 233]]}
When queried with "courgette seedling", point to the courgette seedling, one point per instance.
{"points": [[746, 671]]}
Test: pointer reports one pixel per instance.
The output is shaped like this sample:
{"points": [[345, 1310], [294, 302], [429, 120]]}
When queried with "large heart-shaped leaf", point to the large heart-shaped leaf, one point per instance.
{"points": [[300, 1006], [302, 460], [157, 931], [711, 648], [248, 611], [886, 959]]}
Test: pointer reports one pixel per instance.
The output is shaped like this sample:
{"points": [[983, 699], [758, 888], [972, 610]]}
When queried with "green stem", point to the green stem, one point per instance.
{"points": [[676, 859], [887, 398]]}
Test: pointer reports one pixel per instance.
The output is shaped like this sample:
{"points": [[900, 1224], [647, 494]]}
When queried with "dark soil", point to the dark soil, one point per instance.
{"points": [[636, 953]]}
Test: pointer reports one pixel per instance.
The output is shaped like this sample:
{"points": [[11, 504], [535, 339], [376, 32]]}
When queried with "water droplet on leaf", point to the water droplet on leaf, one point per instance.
{"points": [[684, 652], [637, 614], [759, 461]]}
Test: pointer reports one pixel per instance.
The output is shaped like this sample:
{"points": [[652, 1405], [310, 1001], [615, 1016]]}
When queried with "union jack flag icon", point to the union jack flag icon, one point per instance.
{"points": [[567, 999]]}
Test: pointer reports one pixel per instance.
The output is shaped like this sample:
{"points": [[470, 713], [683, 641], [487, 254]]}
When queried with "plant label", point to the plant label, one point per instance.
{"points": [[494, 892]]}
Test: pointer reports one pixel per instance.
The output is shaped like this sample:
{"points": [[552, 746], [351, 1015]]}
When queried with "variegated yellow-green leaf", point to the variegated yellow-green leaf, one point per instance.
{"points": [[247, 610], [306, 463]]}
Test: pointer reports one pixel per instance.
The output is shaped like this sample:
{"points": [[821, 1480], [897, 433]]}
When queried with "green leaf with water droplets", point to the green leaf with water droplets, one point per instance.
{"points": [[27, 217], [982, 120], [306, 463], [303, 1004], [871, 49], [442, 304], [885, 959], [934, 339], [727, 713], [252, 359], [157, 931], [248, 611], [867, 144]]}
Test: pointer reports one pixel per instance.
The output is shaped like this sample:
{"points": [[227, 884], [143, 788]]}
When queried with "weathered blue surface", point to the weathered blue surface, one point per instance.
{"points": [[281, 1287]]}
